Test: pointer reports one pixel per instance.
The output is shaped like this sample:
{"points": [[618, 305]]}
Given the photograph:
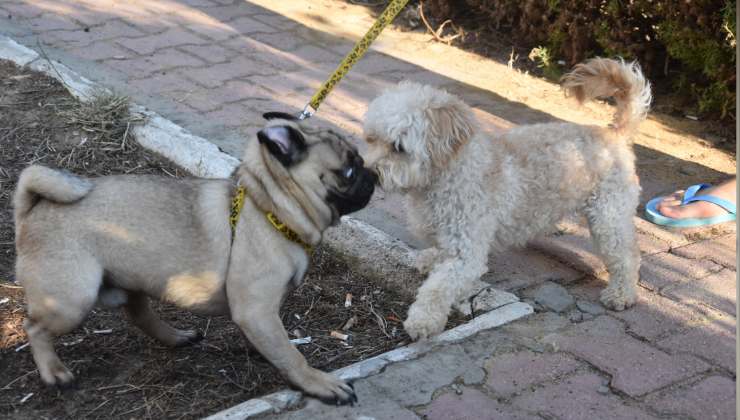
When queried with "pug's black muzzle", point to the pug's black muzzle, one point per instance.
{"points": [[357, 195]]}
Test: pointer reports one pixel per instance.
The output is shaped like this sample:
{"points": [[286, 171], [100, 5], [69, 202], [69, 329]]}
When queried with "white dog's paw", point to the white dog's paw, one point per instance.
{"points": [[426, 259], [420, 324], [617, 299]]}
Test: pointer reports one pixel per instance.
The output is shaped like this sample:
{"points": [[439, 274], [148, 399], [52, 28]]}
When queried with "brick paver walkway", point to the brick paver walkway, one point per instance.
{"points": [[670, 356], [214, 66]]}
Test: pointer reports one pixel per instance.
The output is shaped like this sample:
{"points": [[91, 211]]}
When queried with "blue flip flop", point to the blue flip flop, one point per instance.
{"points": [[653, 215]]}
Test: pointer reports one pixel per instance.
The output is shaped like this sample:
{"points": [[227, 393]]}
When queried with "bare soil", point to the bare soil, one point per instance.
{"points": [[121, 373]]}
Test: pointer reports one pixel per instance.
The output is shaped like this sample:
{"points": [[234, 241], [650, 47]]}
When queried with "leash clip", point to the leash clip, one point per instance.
{"points": [[307, 112]]}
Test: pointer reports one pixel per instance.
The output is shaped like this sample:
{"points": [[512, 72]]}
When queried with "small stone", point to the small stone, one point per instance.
{"points": [[553, 297], [586, 316], [590, 308], [603, 390], [483, 298], [575, 315], [550, 344], [490, 299]]}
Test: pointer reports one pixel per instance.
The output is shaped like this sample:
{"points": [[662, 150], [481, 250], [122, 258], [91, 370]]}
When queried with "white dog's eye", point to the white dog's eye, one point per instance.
{"points": [[399, 148]]}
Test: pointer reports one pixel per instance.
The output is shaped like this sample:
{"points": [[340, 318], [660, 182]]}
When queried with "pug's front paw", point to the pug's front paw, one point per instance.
{"points": [[327, 388]]}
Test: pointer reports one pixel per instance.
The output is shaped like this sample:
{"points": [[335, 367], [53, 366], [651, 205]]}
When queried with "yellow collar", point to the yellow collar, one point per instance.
{"points": [[237, 203]]}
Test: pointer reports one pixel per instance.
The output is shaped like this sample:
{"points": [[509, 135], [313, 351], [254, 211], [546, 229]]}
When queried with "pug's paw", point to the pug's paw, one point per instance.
{"points": [[327, 388]]}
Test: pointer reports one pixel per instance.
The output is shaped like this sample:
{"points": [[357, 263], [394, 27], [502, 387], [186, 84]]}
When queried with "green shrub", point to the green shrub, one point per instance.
{"points": [[687, 44]]}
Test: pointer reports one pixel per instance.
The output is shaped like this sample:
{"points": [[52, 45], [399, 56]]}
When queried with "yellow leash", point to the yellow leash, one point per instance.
{"points": [[390, 12], [360, 48], [237, 204]]}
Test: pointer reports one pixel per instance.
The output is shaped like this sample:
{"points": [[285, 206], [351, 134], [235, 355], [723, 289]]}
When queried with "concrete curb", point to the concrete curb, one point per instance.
{"points": [[282, 400], [386, 258]]}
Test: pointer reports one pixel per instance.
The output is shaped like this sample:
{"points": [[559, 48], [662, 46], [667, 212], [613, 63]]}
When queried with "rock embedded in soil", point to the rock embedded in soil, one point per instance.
{"points": [[484, 298], [553, 297], [590, 308], [575, 315]]}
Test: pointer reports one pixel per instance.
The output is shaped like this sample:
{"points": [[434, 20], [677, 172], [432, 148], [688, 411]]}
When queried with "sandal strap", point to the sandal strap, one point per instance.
{"points": [[691, 192], [730, 207]]}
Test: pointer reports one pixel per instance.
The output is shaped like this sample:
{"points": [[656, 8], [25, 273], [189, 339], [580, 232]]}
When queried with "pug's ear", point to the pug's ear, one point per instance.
{"points": [[285, 143], [278, 115]]}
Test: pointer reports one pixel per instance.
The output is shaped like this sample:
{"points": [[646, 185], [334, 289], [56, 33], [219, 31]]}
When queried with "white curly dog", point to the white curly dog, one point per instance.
{"points": [[470, 192]]}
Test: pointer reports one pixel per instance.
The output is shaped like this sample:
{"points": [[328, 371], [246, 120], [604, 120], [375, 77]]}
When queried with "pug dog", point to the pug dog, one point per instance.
{"points": [[123, 240]]}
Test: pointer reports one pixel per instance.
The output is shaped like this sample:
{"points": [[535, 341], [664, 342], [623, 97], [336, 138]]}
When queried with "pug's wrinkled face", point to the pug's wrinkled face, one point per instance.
{"points": [[328, 169]]}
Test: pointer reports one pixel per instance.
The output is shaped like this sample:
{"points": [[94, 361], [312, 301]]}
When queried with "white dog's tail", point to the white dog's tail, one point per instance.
{"points": [[36, 182], [604, 77]]}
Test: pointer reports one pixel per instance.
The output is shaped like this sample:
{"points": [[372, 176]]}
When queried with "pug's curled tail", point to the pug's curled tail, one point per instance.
{"points": [[39, 182], [604, 77]]}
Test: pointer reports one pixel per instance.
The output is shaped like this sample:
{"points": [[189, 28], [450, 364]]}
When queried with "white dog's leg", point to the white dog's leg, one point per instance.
{"points": [[609, 217], [428, 314], [426, 259]]}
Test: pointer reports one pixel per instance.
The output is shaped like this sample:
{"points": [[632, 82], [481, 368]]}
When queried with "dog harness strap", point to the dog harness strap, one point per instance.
{"points": [[237, 204], [390, 12], [287, 232]]}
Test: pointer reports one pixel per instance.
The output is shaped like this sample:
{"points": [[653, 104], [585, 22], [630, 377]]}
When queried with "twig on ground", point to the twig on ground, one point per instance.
{"points": [[438, 33]]}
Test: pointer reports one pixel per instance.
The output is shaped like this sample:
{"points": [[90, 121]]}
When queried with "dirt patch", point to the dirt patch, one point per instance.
{"points": [[121, 372]]}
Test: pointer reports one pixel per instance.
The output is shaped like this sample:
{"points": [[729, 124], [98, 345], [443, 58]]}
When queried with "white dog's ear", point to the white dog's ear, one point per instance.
{"points": [[451, 127]]}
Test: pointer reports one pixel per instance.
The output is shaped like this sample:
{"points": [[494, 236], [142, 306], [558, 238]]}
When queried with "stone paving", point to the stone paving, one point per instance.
{"points": [[213, 66]]}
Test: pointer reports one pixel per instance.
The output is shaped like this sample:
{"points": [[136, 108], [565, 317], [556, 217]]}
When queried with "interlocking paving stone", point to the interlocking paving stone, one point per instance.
{"points": [[101, 50], [711, 398], [157, 62], [717, 290], [514, 373], [664, 269], [654, 316], [170, 38], [722, 250], [713, 341], [577, 398], [636, 367], [210, 53], [471, 405]]}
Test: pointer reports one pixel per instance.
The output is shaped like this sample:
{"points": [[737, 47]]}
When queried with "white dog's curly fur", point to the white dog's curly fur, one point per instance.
{"points": [[470, 192]]}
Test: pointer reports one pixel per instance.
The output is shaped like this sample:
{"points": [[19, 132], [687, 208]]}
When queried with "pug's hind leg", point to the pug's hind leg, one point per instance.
{"points": [[143, 316], [59, 297], [51, 368]]}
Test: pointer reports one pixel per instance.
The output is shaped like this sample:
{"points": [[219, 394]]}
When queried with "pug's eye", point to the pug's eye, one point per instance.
{"points": [[349, 173], [399, 148]]}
